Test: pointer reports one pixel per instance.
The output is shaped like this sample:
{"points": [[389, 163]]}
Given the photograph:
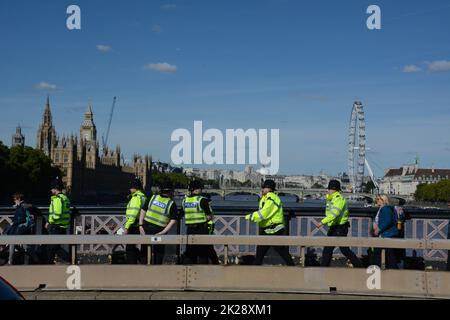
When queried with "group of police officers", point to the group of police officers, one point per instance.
{"points": [[158, 214]]}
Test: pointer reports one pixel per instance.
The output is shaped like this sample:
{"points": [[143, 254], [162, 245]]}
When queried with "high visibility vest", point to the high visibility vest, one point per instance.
{"points": [[59, 210], [134, 206], [270, 213], [336, 210], [158, 211], [193, 213]]}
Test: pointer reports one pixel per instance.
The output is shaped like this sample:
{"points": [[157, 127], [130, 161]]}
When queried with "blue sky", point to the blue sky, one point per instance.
{"points": [[293, 65]]}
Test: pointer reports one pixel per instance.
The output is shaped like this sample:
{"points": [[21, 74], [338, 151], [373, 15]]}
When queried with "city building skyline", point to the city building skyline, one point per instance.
{"points": [[299, 73], [88, 170]]}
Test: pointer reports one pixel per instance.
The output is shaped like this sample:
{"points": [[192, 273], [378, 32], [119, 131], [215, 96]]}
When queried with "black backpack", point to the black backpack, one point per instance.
{"points": [[118, 255]]}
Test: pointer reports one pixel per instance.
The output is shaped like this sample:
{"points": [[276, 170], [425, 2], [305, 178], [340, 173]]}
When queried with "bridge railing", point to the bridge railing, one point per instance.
{"points": [[230, 221], [226, 241], [300, 279]]}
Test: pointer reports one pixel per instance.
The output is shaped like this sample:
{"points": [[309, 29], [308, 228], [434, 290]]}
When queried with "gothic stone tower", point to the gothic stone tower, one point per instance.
{"points": [[65, 157], [143, 170], [46, 135], [88, 140], [18, 139]]}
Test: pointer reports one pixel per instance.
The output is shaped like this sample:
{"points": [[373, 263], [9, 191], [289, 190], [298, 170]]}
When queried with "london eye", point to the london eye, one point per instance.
{"points": [[356, 147]]}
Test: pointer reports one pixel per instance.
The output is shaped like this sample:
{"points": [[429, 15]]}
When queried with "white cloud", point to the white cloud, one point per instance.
{"points": [[411, 68], [45, 86], [156, 28], [103, 48], [439, 66], [161, 67], [168, 6]]}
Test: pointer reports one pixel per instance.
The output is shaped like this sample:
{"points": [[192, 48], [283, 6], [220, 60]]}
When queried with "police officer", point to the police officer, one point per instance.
{"points": [[336, 218], [270, 219], [197, 213], [58, 220], [158, 218], [137, 200]]}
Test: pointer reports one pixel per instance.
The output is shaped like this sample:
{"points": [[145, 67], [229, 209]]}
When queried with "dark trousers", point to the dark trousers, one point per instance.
{"points": [[131, 251], [391, 257], [29, 250], [158, 250], [400, 254], [339, 231], [197, 253], [212, 254], [448, 251], [283, 251], [56, 249]]}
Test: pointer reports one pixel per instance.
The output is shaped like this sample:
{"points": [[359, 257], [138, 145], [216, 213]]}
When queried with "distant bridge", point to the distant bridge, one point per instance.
{"points": [[298, 193]]}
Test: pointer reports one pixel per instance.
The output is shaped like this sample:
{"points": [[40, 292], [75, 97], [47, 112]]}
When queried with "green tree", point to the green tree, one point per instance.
{"points": [[434, 192], [179, 180], [26, 170], [4, 169]]}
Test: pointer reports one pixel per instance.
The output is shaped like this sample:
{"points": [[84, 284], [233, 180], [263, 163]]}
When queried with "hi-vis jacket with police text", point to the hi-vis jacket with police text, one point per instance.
{"points": [[193, 212], [270, 213], [134, 207], [336, 211], [158, 212], [59, 210]]}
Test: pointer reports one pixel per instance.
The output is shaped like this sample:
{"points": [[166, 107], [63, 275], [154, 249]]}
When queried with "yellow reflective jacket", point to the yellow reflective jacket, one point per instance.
{"points": [[193, 212], [59, 210], [270, 212], [158, 211], [336, 211], [134, 207]]}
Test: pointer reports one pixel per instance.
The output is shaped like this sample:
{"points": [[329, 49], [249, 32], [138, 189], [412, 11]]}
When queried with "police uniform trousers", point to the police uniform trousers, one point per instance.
{"points": [[158, 250], [339, 231], [283, 251], [197, 253]]}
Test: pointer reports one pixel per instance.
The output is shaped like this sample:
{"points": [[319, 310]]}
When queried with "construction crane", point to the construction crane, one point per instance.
{"points": [[369, 169], [105, 139], [372, 176]]}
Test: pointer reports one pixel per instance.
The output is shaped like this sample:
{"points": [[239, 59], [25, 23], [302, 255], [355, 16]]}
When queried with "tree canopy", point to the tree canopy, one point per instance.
{"points": [[26, 170], [434, 192]]}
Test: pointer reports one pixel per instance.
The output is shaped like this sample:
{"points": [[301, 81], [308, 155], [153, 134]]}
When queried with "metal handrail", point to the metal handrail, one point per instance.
{"points": [[228, 240], [91, 239], [357, 212]]}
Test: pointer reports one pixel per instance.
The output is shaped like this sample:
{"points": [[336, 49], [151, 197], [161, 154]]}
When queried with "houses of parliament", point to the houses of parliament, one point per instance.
{"points": [[88, 171]]}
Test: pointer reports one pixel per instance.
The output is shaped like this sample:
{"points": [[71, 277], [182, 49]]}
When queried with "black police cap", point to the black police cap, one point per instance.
{"points": [[334, 185], [56, 184], [195, 184], [269, 183], [136, 184]]}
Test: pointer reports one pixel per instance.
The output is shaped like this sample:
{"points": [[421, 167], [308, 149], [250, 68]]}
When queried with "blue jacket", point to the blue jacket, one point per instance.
{"points": [[387, 224], [20, 216]]}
